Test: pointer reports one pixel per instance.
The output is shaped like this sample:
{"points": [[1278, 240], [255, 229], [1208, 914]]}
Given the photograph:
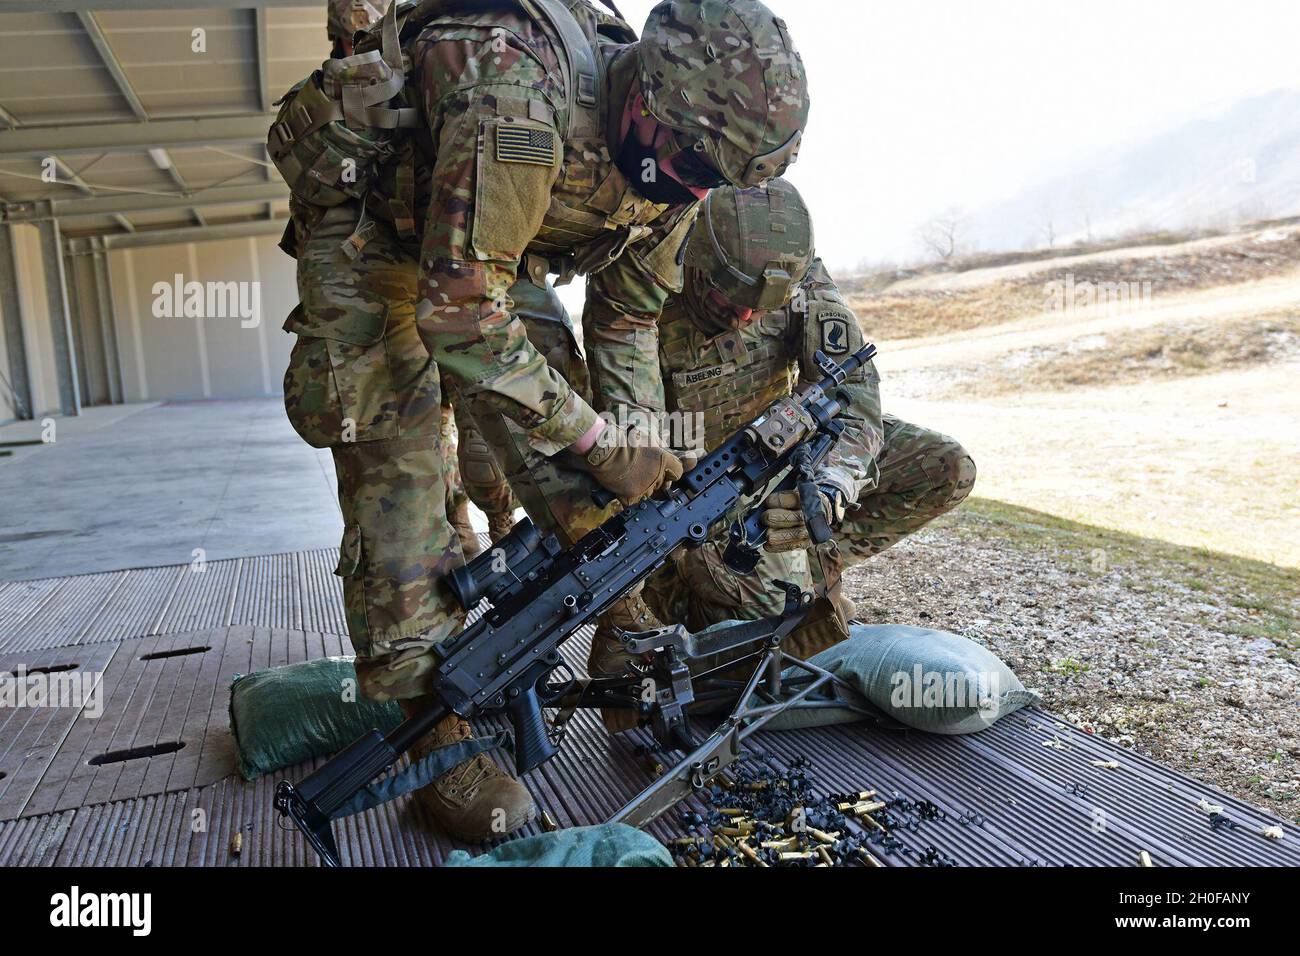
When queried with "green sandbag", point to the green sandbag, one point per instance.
{"points": [[285, 715], [931, 680], [609, 844]]}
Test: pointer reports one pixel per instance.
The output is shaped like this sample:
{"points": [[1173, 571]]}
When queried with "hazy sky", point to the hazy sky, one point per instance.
{"points": [[918, 106]]}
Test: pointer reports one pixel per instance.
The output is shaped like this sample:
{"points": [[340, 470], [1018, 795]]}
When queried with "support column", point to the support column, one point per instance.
{"points": [[19, 388], [108, 322], [56, 296], [77, 308]]}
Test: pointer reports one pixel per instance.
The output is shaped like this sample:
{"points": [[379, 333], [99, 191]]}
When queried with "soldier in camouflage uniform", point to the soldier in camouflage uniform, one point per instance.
{"points": [[481, 478], [543, 140], [344, 19], [756, 307]]}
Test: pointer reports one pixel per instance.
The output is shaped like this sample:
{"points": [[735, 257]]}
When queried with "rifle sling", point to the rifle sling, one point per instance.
{"points": [[421, 773]]}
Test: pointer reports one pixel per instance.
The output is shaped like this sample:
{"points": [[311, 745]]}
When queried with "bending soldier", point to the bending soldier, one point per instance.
{"points": [[454, 154]]}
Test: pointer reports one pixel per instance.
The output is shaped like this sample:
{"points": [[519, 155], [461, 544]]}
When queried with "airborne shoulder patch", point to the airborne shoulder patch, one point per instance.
{"points": [[525, 144], [835, 334]]}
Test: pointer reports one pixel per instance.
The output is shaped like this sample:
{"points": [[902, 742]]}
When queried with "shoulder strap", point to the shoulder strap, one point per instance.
{"points": [[582, 88]]}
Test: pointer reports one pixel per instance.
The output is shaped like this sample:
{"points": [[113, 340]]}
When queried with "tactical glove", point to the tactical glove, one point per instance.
{"points": [[787, 524], [632, 470]]}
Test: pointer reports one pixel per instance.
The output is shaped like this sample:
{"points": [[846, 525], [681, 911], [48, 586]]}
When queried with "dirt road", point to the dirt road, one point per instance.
{"points": [[1210, 462], [1205, 460]]}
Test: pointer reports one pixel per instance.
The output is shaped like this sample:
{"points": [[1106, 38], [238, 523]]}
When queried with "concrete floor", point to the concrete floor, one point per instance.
{"points": [[147, 485]]}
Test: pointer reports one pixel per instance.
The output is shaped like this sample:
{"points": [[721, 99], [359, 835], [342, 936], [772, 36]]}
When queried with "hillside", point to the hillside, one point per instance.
{"points": [[1170, 413], [1212, 173]]}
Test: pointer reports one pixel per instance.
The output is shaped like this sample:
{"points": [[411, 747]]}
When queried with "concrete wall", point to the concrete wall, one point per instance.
{"points": [[164, 355], [179, 357]]}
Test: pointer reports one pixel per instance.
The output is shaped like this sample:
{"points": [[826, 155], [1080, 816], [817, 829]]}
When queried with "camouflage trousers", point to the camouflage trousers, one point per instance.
{"points": [[923, 474], [478, 474], [361, 383], [557, 496]]}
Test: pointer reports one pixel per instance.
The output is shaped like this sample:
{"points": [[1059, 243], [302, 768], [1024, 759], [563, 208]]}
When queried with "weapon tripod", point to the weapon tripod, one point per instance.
{"points": [[664, 690]]}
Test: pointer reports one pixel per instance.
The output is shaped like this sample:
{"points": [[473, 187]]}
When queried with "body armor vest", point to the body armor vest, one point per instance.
{"points": [[594, 215], [729, 378]]}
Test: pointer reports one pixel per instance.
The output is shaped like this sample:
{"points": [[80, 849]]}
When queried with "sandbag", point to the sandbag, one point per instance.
{"points": [[930, 680], [285, 715], [934, 681], [605, 845]]}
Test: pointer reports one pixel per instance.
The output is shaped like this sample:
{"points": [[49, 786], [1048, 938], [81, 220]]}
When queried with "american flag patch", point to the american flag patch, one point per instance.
{"points": [[520, 144]]}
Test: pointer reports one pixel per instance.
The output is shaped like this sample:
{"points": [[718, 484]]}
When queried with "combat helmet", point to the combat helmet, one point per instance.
{"points": [[345, 17], [726, 78], [754, 246]]}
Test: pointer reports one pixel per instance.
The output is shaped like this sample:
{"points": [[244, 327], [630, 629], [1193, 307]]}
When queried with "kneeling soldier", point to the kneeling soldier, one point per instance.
{"points": [[757, 305]]}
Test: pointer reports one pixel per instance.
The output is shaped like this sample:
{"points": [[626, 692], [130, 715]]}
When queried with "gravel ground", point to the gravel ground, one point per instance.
{"points": [[1184, 657]]}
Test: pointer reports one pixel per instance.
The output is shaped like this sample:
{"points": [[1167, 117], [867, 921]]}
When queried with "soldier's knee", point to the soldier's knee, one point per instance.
{"points": [[483, 477], [960, 475], [477, 461]]}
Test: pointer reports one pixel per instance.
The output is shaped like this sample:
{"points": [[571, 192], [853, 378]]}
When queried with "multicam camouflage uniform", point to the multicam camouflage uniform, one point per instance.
{"points": [[517, 171], [895, 476], [551, 332]]}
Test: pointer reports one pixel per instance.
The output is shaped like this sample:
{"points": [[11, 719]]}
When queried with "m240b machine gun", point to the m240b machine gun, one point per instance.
{"points": [[541, 594]]}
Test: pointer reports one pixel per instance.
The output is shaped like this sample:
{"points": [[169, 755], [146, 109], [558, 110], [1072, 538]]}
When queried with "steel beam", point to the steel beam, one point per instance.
{"points": [[34, 142], [111, 63], [78, 306], [11, 312], [56, 297], [76, 6], [264, 86], [263, 57], [71, 177], [167, 237], [129, 202], [67, 172]]}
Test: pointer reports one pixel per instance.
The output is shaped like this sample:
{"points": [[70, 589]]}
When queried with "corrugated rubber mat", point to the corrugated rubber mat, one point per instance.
{"points": [[150, 780]]}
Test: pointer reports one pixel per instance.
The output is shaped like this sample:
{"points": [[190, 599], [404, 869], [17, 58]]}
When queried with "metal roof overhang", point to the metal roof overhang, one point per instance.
{"points": [[107, 113]]}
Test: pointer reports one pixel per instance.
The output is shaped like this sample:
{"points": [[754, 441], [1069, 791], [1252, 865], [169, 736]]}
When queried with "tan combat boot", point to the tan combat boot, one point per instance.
{"points": [[499, 524], [608, 657], [474, 801], [469, 545]]}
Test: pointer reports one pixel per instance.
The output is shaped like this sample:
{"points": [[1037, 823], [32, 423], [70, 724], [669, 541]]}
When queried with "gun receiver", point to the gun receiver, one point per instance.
{"points": [[541, 594]]}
